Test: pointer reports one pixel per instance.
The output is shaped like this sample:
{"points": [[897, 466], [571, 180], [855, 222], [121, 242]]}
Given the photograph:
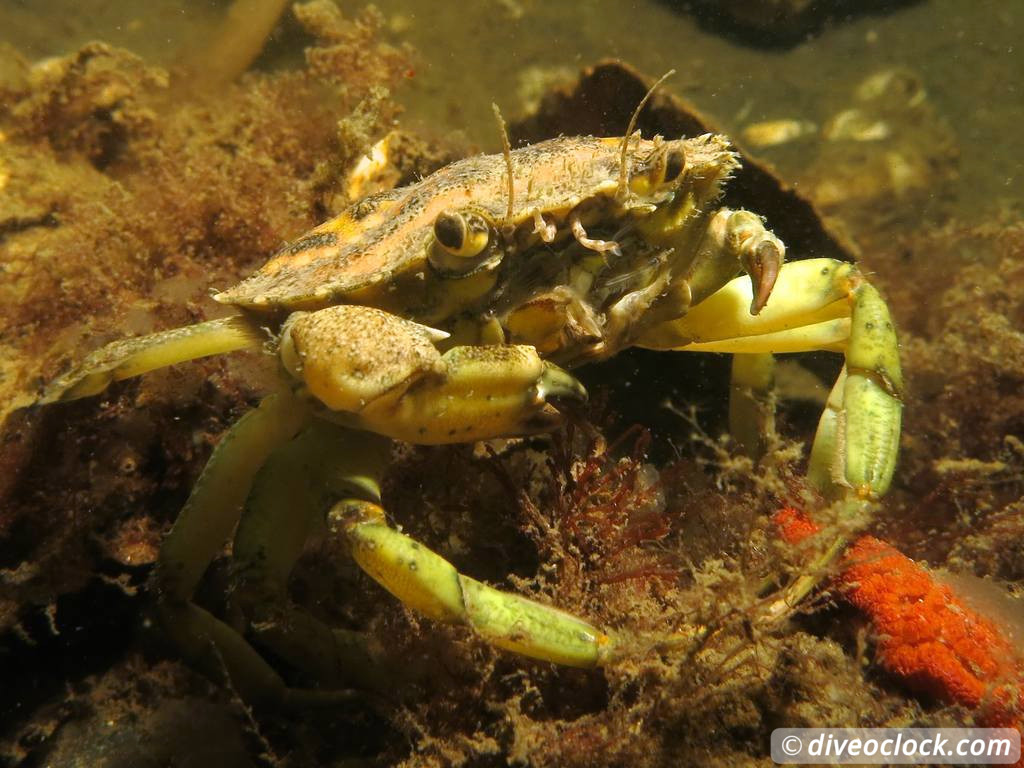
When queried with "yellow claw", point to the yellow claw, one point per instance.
{"points": [[485, 392], [379, 372]]}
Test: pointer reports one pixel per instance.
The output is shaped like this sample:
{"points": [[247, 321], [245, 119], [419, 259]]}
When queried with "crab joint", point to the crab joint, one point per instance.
{"points": [[858, 436], [760, 252], [430, 585]]}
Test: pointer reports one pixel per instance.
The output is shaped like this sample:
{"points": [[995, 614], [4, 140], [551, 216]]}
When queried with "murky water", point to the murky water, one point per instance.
{"points": [[966, 54], [129, 187]]}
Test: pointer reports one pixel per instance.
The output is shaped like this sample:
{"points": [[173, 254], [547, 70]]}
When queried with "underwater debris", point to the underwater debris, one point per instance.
{"points": [[889, 147], [91, 103], [605, 507], [885, 155], [350, 53], [770, 133], [119, 210]]}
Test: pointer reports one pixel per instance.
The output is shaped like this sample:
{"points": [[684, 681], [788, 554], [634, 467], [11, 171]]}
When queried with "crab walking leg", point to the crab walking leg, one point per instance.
{"points": [[381, 373], [816, 304], [133, 357], [213, 509], [821, 466], [199, 533], [430, 585], [285, 507], [752, 401]]}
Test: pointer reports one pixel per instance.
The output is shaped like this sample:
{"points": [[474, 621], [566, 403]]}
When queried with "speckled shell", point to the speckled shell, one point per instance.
{"points": [[387, 234]]}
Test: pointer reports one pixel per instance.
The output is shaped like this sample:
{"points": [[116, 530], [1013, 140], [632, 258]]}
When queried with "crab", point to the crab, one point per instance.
{"points": [[451, 311]]}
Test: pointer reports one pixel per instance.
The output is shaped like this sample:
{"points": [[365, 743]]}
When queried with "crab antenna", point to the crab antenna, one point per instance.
{"points": [[507, 148], [620, 193]]}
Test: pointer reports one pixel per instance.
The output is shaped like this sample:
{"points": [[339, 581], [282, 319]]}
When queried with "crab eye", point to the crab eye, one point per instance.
{"points": [[460, 245], [462, 234], [674, 164], [666, 168], [661, 167]]}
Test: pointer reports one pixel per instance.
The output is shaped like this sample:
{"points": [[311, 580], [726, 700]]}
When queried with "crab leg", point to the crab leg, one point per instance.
{"points": [[284, 509], [429, 584], [752, 401], [213, 509], [816, 304], [133, 357], [199, 533], [257, 464]]}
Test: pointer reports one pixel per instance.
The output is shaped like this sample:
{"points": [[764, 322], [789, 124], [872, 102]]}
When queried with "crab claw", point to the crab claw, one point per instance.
{"points": [[762, 263], [742, 236], [556, 384]]}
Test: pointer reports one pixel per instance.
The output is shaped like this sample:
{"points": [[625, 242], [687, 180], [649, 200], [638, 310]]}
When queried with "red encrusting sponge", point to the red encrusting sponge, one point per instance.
{"points": [[925, 634]]}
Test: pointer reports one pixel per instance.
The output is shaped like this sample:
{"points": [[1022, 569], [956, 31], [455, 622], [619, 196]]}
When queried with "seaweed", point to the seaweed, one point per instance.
{"points": [[121, 208]]}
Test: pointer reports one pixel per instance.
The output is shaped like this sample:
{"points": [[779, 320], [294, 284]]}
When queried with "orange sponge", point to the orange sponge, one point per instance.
{"points": [[926, 634]]}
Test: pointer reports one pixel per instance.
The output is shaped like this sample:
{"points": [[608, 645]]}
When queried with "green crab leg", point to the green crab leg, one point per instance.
{"points": [[820, 467], [216, 648], [285, 507], [198, 535], [212, 511], [752, 401], [133, 357], [430, 585], [816, 304]]}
